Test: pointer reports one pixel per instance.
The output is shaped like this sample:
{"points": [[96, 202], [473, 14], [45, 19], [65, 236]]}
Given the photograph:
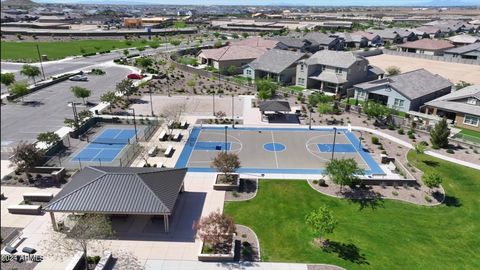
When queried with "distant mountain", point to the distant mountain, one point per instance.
{"points": [[19, 3], [449, 3]]}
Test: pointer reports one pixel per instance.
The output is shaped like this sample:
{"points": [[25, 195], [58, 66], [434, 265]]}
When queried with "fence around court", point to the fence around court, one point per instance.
{"points": [[434, 57]]}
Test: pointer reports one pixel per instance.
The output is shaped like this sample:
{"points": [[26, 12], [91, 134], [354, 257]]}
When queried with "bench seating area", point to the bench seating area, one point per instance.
{"points": [[176, 137], [163, 136], [183, 124], [153, 151], [38, 197], [169, 151], [25, 209]]}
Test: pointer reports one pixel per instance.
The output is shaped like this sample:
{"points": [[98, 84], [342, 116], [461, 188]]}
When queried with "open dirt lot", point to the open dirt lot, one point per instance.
{"points": [[452, 71]]}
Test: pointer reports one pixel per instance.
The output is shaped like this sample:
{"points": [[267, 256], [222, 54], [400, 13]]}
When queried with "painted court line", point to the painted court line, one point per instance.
{"points": [[274, 150]]}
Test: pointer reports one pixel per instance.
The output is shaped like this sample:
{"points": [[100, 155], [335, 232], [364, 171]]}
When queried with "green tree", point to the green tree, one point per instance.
{"points": [[245, 34], [419, 149], [30, 71], [48, 138], [7, 78], [126, 52], [231, 70], [462, 84], [25, 156], [376, 110], [218, 44], [226, 163], [81, 92], [110, 97], [216, 34], [267, 87], [88, 232], [432, 179], [235, 35], [127, 88], [144, 62], [393, 70], [343, 172], [175, 42], [321, 222], [19, 89], [439, 134], [263, 95]]}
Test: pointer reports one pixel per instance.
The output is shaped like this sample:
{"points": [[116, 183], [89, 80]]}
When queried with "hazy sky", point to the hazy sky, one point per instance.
{"points": [[276, 2]]}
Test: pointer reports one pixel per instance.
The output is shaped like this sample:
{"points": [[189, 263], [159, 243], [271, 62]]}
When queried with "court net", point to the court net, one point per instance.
{"points": [[109, 141]]}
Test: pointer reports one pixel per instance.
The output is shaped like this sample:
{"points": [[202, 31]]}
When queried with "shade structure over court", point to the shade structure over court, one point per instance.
{"points": [[120, 191], [274, 106]]}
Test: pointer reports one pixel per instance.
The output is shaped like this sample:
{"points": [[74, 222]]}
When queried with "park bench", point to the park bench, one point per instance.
{"points": [[153, 151], [37, 197], [28, 250], [25, 209], [162, 136], [183, 124], [169, 151], [176, 137]]}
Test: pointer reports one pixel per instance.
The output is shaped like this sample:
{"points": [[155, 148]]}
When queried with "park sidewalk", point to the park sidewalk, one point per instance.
{"points": [[196, 265]]}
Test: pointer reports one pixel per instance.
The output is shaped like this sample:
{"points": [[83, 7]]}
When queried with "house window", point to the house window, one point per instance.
{"points": [[249, 72], [338, 70], [471, 120], [301, 81], [361, 93], [398, 103], [472, 101], [301, 67]]}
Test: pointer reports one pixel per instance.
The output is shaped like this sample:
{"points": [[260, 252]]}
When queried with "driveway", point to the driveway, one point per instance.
{"points": [[47, 108]]}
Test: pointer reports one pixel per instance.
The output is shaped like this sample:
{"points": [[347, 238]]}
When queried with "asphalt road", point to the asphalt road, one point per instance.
{"points": [[49, 107]]}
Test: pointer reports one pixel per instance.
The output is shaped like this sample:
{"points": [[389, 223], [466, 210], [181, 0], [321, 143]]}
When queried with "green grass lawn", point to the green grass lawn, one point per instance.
{"points": [[469, 132], [13, 50], [382, 235], [296, 88]]}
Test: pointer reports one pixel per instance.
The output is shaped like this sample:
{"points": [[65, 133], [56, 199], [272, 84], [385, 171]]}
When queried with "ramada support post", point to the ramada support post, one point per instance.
{"points": [[165, 221], [54, 223]]}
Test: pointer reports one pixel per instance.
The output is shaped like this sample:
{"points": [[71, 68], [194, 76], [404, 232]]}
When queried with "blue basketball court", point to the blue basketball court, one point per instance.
{"points": [[106, 146], [274, 150]]}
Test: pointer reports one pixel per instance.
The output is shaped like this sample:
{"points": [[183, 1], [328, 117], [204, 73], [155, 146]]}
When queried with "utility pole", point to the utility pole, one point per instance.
{"points": [[213, 102], [41, 64], [310, 119], [233, 111]]}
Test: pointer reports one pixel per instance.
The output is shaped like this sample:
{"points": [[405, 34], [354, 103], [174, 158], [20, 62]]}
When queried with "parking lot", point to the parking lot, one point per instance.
{"points": [[46, 109]]}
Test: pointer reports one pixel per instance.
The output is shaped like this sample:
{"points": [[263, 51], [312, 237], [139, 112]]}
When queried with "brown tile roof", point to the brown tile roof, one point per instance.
{"points": [[364, 34], [428, 44]]}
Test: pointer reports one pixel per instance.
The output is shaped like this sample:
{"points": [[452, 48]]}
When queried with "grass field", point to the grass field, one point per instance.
{"points": [[471, 133], [371, 235], [15, 51]]}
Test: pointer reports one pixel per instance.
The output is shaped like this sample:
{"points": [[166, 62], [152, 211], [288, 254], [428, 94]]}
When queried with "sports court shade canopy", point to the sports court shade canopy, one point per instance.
{"points": [[120, 191], [274, 106]]}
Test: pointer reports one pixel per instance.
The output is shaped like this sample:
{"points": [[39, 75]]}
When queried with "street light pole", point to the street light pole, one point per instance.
{"points": [[135, 125], [233, 112], [151, 102], [334, 137], [226, 139], [41, 64], [213, 102], [310, 119]]}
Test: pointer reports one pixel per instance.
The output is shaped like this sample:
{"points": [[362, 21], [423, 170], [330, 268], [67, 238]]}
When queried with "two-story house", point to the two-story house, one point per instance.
{"points": [[334, 71], [405, 92], [461, 106], [279, 65]]}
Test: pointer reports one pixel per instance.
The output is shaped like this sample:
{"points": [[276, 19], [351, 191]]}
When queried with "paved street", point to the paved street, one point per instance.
{"points": [[49, 107]]}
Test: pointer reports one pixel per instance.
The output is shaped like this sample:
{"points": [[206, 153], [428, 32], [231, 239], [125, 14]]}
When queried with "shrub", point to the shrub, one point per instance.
{"points": [[411, 136], [428, 198], [315, 182], [322, 183], [401, 131], [450, 151], [375, 140], [394, 193]]}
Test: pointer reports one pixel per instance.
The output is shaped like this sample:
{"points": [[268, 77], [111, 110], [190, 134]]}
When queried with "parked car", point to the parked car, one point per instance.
{"points": [[79, 78], [134, 76]]}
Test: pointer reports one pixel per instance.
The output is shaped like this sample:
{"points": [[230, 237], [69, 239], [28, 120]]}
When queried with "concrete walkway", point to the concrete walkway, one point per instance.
{"points": [[196, 265], [410, 146]]}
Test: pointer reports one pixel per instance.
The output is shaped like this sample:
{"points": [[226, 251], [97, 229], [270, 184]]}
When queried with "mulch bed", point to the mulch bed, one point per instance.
{"points": [[246, 240], [246, 191]]}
